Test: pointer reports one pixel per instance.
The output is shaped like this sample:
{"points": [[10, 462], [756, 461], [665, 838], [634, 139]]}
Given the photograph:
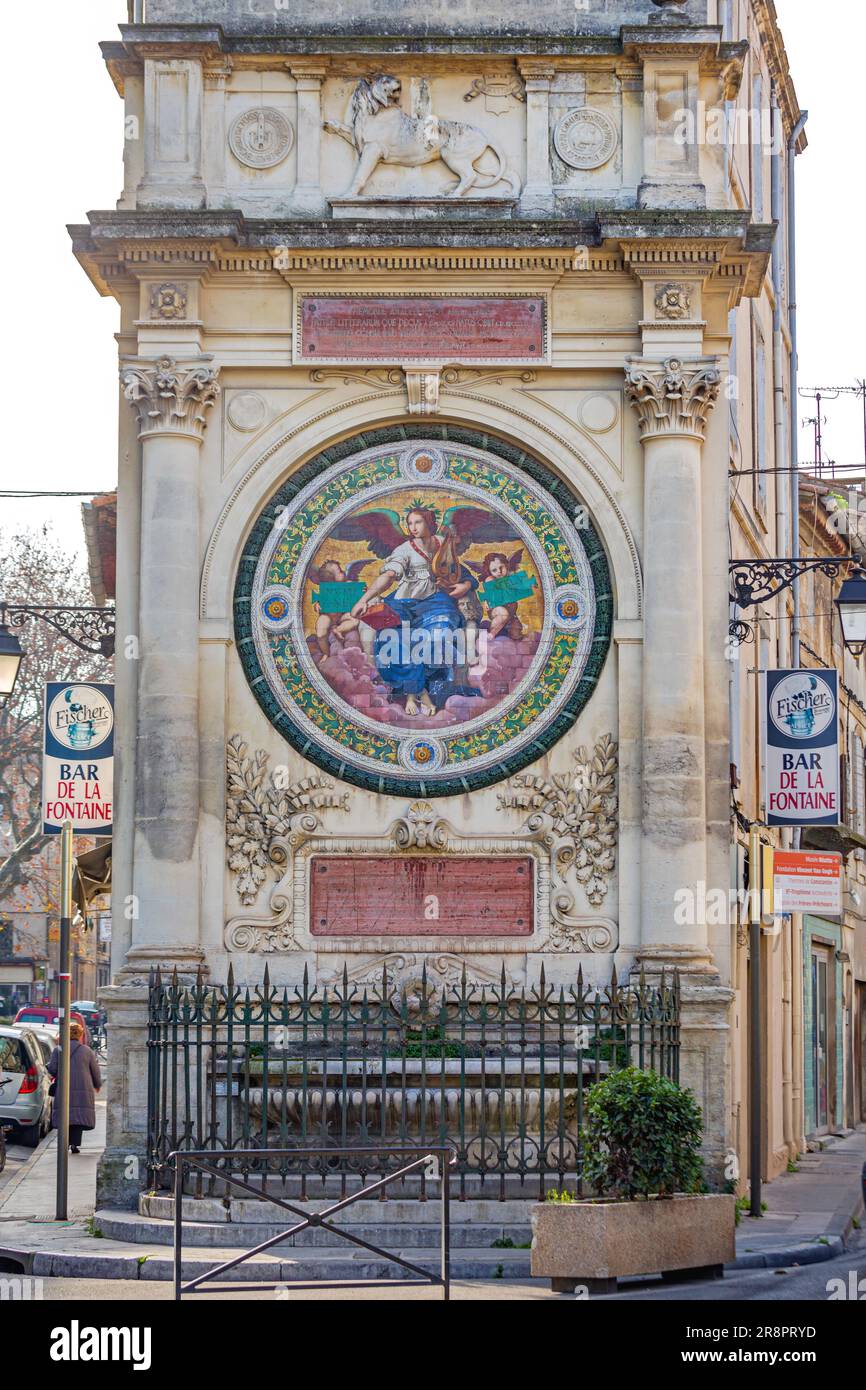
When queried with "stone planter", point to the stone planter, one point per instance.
{"points": [[594, 1243]]}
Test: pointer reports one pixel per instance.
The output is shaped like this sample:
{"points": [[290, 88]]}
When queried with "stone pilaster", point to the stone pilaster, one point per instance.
{"points": [[673, 399], [171, 401], [215, 135], [537, 196], [308, 196], [672, 60], [121, 1172], [173, 101]]}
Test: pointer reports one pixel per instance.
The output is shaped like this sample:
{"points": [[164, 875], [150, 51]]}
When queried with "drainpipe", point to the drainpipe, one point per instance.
{"points": [[784, 495], [792, 324], [797, 983], [783, 502], [726, 18]]}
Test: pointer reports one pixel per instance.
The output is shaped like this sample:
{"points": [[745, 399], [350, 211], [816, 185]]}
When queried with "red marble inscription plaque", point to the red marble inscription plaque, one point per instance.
{"points": [[417, 896], [401, 328]]}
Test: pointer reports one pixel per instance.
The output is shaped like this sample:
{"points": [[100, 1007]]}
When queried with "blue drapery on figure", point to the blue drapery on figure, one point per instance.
{"points": [[438, 617]]}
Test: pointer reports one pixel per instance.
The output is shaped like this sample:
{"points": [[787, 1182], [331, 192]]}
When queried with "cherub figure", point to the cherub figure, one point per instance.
{"points": [[502, 616], [342, 623]]}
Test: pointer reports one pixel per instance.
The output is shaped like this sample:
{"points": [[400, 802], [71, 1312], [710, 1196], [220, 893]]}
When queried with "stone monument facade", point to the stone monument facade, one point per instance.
{"points": [[422, 469]]}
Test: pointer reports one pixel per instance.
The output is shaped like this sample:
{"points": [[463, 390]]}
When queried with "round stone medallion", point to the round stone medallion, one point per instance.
{"points": [[246, 412], [585, 138], [427, 618], [598, 414], [260, 137]]}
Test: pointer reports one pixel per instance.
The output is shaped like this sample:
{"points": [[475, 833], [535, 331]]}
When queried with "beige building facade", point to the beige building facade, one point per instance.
{"points": [[481, 305]]}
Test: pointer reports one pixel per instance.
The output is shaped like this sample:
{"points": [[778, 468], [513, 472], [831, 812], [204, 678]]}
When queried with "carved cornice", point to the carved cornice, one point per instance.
{"points": [[689, 255], [672, 397], [170, 397]]}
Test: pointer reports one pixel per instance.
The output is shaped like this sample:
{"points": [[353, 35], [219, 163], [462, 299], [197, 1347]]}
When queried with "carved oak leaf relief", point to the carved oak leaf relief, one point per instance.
{"points": [[579, 810], [264, 812]]}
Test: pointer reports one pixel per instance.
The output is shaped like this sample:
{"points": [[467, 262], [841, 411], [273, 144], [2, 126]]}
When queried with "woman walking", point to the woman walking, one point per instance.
{"points": [[85, 1079]]}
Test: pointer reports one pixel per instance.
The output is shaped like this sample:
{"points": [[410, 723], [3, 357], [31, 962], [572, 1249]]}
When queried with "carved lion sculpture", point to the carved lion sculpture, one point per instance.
{"points": [[382, 133]]}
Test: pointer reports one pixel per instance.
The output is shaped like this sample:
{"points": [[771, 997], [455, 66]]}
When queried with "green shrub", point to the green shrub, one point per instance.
{"points": [[643, 1136]]}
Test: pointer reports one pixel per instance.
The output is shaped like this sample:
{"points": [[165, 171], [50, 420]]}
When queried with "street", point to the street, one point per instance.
{"points": [[811, 1283]]}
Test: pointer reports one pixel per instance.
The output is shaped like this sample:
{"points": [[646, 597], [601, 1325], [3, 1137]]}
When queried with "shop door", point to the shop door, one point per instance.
{"points": [[821, 1037], [860, 1053]]}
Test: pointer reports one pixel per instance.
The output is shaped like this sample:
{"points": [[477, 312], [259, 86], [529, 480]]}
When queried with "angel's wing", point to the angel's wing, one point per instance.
{"points": [[314, 576], [469, 524], [380, 528], [516, 561], [475, 566], [353, 571]]}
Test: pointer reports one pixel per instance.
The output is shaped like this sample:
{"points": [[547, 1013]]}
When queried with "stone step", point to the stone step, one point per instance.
{"points": [[212, 1210], [409, 1190], [143, 1230], [120, 1261]]}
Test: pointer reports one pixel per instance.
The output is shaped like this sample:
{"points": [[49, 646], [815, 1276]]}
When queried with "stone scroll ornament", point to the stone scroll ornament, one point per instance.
{"points": [[380, 131], [265, 814], [575, 813], [422, 616]]}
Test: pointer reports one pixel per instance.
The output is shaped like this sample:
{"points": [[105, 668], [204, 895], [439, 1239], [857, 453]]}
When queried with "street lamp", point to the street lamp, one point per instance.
{"points": [[11, 653], [851, 603]]}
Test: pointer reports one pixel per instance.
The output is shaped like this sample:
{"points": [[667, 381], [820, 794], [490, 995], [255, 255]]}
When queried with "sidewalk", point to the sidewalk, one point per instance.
{"points": [[810, 1215], [31, 1194]]}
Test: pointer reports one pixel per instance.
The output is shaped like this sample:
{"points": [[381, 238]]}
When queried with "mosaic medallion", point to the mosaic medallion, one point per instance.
{"points": [[423, 615]]}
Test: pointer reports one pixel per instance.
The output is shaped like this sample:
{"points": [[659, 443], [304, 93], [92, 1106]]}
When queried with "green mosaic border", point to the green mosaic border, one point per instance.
{"points": [[298, 738]]}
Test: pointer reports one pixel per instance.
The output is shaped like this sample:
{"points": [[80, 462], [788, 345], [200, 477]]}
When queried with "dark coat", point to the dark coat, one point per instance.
{"points": [[85, 1080]]}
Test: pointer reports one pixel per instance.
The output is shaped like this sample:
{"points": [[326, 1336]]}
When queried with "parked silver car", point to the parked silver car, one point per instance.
{"points": [[24, 1082]]}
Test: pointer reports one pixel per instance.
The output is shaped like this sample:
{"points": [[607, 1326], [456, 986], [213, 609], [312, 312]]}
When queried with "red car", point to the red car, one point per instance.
{"points": [[48, 1013]]}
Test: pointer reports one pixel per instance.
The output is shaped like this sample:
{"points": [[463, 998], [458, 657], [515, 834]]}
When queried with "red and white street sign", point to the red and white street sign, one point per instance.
{"points": [[806, 882]]}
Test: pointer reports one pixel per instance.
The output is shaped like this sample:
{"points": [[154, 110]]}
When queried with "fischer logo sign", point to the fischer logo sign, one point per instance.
{"points": [[78, 758], [801, 747]]}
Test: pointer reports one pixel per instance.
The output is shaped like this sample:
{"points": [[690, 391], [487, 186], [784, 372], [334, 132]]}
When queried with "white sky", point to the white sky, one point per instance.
{"points": [[64, 128]]}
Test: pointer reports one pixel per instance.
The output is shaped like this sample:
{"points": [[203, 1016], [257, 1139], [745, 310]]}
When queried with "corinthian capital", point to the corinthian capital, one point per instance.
{"points": [[170, 398], [672, 397]]}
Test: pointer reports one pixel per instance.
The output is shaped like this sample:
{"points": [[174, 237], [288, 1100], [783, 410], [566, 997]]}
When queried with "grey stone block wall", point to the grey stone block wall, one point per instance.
{"points": [[416, 17]]}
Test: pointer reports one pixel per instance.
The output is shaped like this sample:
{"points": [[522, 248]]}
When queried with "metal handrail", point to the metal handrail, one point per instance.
{"points": [[436, 1160]]}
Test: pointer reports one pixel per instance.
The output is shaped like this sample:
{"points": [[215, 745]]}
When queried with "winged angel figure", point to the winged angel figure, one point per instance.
{"points": [[423, 604]]}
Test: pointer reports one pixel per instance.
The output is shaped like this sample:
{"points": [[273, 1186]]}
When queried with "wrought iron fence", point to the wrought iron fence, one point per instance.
{"points": [[499, 1075]]}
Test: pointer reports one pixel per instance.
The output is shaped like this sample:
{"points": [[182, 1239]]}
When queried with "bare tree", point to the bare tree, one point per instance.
{"points": [[35, 569]]}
